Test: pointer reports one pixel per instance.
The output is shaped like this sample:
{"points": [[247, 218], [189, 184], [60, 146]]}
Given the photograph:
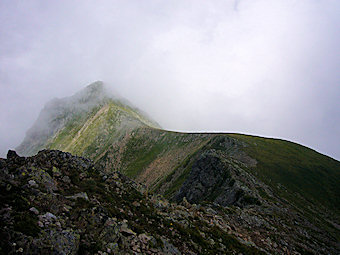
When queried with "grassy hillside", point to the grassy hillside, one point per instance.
{"points": [[149, 154], [90, 133], [120, 139], [297, 177], [294, 170], [283, 165]]}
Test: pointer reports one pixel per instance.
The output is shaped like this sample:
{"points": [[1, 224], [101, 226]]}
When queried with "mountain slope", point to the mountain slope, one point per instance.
{"points": [[297, 169], [286, 192]]}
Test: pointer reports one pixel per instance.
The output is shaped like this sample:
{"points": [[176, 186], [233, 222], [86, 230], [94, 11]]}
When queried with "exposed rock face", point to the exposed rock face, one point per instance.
{"points": [[218, 175], [211, 179], [92, 212]]}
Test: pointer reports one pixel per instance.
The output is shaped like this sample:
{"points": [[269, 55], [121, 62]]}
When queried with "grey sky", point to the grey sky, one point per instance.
{"points": [[261, 67]]}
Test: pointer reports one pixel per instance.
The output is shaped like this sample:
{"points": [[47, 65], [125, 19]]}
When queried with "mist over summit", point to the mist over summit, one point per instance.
{"points": [[268, 69], [59, 112]]}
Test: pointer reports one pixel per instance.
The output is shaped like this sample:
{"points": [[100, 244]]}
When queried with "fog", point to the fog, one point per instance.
{"points": [[268, 68]]}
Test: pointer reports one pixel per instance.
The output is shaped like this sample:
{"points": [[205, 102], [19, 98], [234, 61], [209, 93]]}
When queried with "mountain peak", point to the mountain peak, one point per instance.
{"points": [[95, 106], [95, 87], [93, 93], [96, 84]]}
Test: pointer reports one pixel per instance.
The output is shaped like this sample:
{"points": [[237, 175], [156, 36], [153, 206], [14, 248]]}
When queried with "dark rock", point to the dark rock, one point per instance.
{"points": [[34, 210], [15, 159], [12, 155], [211, 179]]}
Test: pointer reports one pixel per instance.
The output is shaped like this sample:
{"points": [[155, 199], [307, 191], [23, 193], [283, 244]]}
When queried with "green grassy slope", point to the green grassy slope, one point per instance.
{"points": [[283, 165], [90, 134], [150, 155], [301, 171]]}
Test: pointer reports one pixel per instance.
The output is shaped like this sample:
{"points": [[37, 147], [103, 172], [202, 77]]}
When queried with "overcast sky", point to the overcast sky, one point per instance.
{"points": [[264, 67]]}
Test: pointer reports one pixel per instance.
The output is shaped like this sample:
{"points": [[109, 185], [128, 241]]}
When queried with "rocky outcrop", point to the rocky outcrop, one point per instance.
{"points": [[218, 175], [212, 179]]}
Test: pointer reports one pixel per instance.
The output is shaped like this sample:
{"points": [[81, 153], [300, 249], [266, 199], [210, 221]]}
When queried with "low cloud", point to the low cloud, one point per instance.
{"points": [[261, 67]]}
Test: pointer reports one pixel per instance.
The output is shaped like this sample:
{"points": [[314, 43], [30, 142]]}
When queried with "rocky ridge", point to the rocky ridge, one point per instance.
{"points": [[57, 203]]}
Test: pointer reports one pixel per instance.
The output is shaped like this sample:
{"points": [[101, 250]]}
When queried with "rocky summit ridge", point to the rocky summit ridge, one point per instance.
{"points": [[273, 195]]}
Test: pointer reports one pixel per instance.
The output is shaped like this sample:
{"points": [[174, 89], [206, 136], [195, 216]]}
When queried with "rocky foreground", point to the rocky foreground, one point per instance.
{"points": [[56, 203]]}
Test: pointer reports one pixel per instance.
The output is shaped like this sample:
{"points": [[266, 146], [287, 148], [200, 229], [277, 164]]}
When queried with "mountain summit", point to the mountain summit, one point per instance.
{"points": [[277, 195], [93, 111]]}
